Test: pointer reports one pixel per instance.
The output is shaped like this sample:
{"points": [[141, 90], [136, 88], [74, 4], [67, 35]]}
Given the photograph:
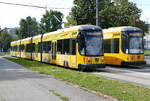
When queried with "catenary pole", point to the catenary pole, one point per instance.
{"points": [[97, 13]]}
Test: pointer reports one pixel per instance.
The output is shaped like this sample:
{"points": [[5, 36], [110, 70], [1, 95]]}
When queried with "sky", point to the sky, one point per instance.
{"points": [[10, 15], [144, 5]]}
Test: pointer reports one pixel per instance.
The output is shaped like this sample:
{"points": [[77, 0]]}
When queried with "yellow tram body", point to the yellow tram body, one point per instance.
{"points": [[25, 53], [13, 48], [115, 43], [70, 47], [36, 54], [18, 49]]}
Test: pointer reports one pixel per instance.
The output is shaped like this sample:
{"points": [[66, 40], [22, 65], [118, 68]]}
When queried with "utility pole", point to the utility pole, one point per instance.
{"points": [[97, 13]]}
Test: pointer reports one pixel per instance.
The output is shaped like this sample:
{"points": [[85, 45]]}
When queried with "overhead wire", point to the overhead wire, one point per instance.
{"points": [[35, 6]]}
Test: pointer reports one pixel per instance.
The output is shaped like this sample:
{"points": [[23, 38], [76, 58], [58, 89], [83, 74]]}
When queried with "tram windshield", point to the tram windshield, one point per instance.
{"points": [[132, 43], [91, 43]]}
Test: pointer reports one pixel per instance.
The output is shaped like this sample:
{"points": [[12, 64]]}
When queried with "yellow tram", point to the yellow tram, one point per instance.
{"points": [[13, 48], [78, 47], [123, 46]]}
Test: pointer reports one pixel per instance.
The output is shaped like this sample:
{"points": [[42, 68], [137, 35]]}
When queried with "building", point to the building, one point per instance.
{"points": [[147, 39]]}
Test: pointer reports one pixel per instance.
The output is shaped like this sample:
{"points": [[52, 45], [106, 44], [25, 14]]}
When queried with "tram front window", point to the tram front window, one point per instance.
{"points": [[135, 44], [92, 45], [132, 43]]}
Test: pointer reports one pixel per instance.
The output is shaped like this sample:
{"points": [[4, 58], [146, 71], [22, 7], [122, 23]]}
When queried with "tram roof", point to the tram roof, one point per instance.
{"points": [[13, 42], [122, 28], [37, 36], [28, 38], [79, 27]]}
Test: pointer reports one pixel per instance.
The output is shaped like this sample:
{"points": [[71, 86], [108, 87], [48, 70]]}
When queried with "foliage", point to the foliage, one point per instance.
{"points": [[118, 13], [70, 22], [51, 21], [5, 39], [84, 11], [121, 13], [142, 25], [112, 14], [103, 86], [28, 27]]}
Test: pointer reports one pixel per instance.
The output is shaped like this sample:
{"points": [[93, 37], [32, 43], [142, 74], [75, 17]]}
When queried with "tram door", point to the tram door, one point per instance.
{"points": [[54, 52]]}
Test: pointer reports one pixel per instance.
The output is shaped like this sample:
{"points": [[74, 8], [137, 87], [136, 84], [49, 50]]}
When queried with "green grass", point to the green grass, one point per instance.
{"points": [[146, 52], [63, 98], [116, 89]]}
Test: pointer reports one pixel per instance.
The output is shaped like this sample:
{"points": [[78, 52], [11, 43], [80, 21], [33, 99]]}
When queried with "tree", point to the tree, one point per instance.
{"points": [[116, 13], [84, 11], [143, 26], [5, 39], [70, 22], [28, 27], [51, 21], [121, 13]]}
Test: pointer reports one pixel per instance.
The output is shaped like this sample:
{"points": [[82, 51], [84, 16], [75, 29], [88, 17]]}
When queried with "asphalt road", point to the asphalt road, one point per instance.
{"points": [[20, 84], [138, 76]]}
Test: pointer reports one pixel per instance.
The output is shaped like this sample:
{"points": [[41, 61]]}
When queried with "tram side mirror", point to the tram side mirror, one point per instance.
{"points": [[127, 51]]}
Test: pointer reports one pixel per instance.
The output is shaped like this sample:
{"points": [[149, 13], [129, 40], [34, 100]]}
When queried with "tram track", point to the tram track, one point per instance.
{"points": [[138, 76]]}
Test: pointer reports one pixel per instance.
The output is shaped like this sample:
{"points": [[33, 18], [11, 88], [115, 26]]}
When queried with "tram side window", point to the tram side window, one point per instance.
{"points": [[124, 44], [111, 45], [21, 48], [81, 44], [33, 47], [30, 47], [15, 48], [107, 46], [73, 46], [46, 46], [59, 47], [66, 46]]}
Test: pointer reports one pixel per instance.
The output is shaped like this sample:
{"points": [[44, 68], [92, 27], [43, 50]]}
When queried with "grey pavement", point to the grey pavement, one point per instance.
{"points": [[19, 84]]}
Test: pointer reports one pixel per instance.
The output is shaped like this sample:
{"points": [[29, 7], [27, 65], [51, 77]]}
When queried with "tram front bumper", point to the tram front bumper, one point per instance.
{"points": [[133, 63], [91, 66]]}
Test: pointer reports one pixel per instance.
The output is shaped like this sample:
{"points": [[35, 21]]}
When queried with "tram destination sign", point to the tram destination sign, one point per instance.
{"points": [[135, 34], [94, 33]]}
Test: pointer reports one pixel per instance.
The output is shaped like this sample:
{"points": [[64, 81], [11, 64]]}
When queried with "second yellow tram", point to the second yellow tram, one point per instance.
{"points": [[123, 46]]}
